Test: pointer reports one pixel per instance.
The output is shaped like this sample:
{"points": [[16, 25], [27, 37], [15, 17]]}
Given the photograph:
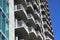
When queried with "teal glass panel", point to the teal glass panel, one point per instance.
{"points": [[0, 20], [5, 6], [7, 28], [0, 3], [3, 23], [0, 36], [7, 10]]}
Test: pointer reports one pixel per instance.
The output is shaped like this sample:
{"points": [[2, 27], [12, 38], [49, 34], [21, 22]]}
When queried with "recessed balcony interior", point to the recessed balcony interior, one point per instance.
{"points": [[42, 6], [32, 36], [45, 26], [30, 8], [23, 2], [38, 28], [31, 20], [43, 13], [29, 0], [39, 38], [39, 35], [47, 34], [44, 19], [22, 34], [42, 1], [20, 15], [36, 15], [32, 33], [36, 8]]}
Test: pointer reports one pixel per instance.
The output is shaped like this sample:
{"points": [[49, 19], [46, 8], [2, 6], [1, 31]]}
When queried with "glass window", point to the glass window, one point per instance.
{"points": [[5, 6], [0, 19], [3, 23], [3, 38], [7, 28], [0, 36]]}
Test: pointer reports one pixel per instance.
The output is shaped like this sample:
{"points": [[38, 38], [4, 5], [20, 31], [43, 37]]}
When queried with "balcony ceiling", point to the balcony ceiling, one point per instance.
{"points": [[32, 23], [32, 36], [22, 31], [30, 10], [20, 15], [23, 2], [39, 38]]}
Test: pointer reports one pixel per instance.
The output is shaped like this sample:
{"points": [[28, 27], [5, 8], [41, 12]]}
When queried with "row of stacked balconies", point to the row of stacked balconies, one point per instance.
{"points": [[26, 29], [25, 32], [46, 21], [28, 25]]}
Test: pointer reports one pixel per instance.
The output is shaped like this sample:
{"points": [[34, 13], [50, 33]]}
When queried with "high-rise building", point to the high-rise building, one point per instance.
{"points": [[25, 20]]}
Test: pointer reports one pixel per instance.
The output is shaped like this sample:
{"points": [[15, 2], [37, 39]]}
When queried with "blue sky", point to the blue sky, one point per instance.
{"points": [[54, 7]]}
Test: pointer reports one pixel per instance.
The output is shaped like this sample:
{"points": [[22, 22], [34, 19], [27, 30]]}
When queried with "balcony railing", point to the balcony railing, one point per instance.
{"points": [[45, 23], [39, 34], [35, 6], [20, 12], [48, 38], [20, 24], [37, 22], [37, 13], [19, 7], [22, 39], [46, 30], [32, 30], [30, 16], [30, 7]]}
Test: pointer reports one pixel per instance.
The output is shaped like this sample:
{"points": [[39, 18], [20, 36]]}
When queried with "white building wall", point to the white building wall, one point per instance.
{"points": [[11, 20]]}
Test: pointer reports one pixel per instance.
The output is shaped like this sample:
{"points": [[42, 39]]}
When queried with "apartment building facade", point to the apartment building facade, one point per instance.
{"points": [[25, 20]]}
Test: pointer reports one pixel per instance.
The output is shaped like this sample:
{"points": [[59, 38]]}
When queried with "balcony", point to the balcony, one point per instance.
{"points": [[20, 12], [31, 20], [35, 6], [46, 25], [37, 22], [44, 17], [39, 36], [37, 1], [21, 30], [47, 22], [38, 26], [48, 33], [30, 8], [42, 6], [36, 15], [17, 38], [43, 9], [46, 3], [23, 2], [32, 33], [48, 38]]}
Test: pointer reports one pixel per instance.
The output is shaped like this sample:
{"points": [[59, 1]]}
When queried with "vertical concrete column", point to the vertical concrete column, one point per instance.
{"points": [[11, 20]]}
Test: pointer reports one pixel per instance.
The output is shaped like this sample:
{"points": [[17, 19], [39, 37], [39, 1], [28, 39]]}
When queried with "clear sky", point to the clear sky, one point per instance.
{"points": [[54, 7]]}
